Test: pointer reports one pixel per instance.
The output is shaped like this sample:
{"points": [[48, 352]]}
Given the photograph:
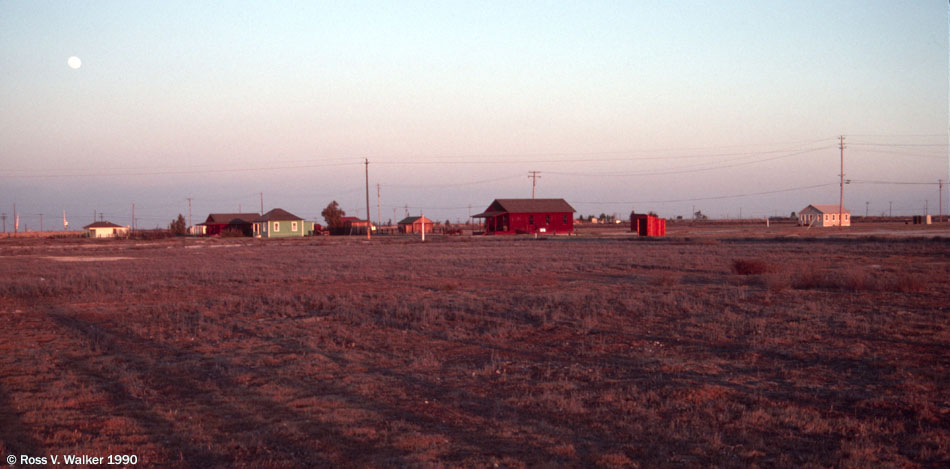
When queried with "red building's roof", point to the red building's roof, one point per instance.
{"points": [[230, 218], [500, 206]]}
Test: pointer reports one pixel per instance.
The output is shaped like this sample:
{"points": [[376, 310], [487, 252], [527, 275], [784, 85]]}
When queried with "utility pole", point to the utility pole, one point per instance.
{"points": [[368, 222], [4, 217], [841, 199], [940, 193], [133, 216], [379, 218], [16, 220], [262, 203], [189, 213], [534, 180], [41, 223]]}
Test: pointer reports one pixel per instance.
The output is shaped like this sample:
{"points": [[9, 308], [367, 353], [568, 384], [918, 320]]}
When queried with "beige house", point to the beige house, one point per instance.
{"points": [[415, 224], [823, 215], [105, 229]]}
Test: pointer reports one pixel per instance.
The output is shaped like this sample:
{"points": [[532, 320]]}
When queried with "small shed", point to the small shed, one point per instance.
{"points": [[515, 216], [647, 225], [218, 223], [106, 229], [823, 215], [415, 225]]}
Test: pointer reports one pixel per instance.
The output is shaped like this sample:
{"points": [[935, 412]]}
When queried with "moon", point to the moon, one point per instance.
{"points": [[74, 62]]}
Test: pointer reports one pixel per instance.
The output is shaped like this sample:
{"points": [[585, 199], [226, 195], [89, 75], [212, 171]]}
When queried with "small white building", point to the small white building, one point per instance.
{"points": [[823, 215], [105, 229]]}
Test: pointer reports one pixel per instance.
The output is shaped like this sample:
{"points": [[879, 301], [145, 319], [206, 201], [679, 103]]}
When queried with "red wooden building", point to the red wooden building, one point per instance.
{"points": [[647, 225], [514, 216], [220, 222]]}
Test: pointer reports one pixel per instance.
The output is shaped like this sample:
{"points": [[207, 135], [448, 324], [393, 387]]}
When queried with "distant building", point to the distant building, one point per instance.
{"points": [[511, 216], [354, 226], [415, 225], [105, 229], [279, 223], [218, 223], [823, 215]]}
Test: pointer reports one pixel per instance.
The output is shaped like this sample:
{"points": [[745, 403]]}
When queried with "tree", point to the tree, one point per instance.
{"points": [[333, 215], [699, 215], [792, 215], [178, 226]]}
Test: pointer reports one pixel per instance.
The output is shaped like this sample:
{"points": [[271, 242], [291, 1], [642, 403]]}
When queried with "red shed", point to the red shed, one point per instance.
{"points": [[511, 216], [647, 225]]}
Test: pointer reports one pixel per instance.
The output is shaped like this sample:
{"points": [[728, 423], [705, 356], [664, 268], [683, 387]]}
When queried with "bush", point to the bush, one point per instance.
{"points": [[750, 267]]}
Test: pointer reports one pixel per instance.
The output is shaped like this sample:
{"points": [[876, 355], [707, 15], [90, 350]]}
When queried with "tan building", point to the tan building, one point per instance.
{"points": [[415, 224], [105, 229], [823, 215]]}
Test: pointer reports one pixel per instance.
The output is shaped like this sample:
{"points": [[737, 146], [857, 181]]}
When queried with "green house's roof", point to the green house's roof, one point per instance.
{"points": [[277, 214]]}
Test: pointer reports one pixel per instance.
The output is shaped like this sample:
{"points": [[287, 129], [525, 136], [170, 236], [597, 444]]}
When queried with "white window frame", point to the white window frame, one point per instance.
{"points": [[293, 226], [276, 227]]}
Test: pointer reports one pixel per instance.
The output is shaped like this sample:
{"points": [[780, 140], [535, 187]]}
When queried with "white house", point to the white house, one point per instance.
{"points": [[105, 229], [823, 215]]}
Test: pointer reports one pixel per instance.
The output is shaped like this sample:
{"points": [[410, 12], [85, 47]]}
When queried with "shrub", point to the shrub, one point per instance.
{"points": [[910, 282], [750, 267], [809, 277]]}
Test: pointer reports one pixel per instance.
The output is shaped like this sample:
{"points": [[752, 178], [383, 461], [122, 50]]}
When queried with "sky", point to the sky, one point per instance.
{"points": [[732, 108]]}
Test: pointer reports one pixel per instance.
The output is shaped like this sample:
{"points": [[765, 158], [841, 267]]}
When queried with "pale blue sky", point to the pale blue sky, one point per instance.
{"points": [[647, 105]]}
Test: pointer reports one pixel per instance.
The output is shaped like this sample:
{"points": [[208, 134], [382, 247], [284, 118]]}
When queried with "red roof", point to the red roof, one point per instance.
{"points": [[500, 206]]}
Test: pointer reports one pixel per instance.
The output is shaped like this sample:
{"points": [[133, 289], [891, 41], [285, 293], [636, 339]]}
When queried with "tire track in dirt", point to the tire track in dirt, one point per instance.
{"points": [[205, 384], [476, 407]]}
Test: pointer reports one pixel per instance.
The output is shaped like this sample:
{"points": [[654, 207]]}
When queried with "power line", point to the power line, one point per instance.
{"points": [[688, 169], [179, 172], [718, 197], [941, 145], [858, 181]]}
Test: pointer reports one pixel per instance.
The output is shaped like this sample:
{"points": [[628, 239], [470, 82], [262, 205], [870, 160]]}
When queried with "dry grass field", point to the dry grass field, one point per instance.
{"points": [[805, 351]]}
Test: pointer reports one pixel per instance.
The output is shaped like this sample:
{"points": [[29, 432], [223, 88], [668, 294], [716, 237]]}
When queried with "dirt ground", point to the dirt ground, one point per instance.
{"points": [[714, 346]]}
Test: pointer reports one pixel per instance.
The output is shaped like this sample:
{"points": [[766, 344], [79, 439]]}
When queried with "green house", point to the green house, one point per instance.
{"points": [[279, 223]]}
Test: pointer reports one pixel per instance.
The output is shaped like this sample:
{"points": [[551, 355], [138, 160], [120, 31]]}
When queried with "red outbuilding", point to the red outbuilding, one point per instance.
{"points": [[515, 216], [647, 225], [218, 223]]}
